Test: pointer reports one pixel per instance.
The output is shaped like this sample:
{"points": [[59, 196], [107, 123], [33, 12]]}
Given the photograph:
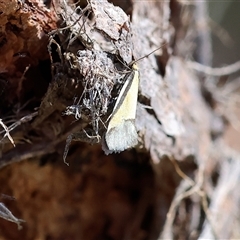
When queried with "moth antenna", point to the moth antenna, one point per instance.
{"points": [[148, 54]]}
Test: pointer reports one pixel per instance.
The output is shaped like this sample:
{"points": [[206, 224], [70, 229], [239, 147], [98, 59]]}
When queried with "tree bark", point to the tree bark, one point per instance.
{"points": [[166, 186]]}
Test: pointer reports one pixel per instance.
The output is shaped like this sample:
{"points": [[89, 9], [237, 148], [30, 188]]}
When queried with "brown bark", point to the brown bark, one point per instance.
{"points": [[163, 188]]}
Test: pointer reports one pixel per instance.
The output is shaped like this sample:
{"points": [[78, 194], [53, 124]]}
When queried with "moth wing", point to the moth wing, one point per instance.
{"points": [[121, 132]]}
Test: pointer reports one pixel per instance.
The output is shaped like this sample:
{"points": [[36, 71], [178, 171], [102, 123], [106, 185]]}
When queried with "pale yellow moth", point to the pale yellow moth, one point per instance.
{"points": [[121, 133]]}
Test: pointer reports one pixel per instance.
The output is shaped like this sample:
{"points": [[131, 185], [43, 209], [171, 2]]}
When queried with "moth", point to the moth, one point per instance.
{"points": [[121, 132]]}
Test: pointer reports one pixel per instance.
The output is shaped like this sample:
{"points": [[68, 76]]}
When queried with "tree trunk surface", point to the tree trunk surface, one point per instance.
{"points": [[62, 66]]}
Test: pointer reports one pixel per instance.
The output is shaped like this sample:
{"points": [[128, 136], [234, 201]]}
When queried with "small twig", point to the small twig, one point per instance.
{"points": [[182, 194], [181, 173], [22, 120], [68, 142], [4, 196], [7, 133], [220, 32], [6, 214], [37, 150], [216, 72]]}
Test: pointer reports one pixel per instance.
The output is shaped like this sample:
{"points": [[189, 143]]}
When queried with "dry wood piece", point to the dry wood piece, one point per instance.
{"points": [[66, 68]]}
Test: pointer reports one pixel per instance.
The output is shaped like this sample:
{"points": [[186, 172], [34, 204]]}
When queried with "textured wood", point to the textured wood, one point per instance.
{"points": [[161, 188]]}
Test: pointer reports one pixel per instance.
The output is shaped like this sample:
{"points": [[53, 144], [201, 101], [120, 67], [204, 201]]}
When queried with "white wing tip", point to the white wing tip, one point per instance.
{"points": [[120, 138]]}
